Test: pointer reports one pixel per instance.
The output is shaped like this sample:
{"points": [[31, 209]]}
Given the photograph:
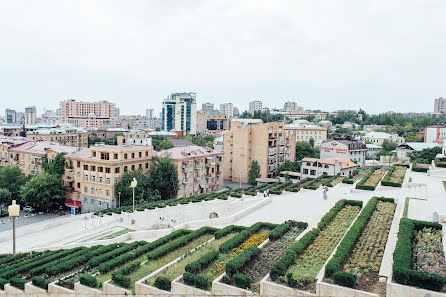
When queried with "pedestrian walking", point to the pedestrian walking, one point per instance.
{"points": [[324, 193], [267, 192], [264, 194]]}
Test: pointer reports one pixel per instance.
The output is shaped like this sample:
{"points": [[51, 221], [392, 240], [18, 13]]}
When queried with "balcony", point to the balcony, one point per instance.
{"points": [[185, 180], [272, 136], [271, 168], [186, 169], [271, 151], [210, 165], [68, 177], [219, 162], [68, 188], [198, 167]]}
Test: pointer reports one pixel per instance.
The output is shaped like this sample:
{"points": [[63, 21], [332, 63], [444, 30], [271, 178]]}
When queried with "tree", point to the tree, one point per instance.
{"points": [[425, 156], [142, 190], [12, 179], [311, 142], [388, 145], [160, 143], [5, 197], [310, 117], [55, 166], [43, 191], [163, 177], [304, 149], [290, 166], [412, 138], [254, 172], [207, 140]]}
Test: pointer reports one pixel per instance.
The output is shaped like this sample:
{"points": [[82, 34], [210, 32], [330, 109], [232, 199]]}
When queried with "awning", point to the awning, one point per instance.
{"points": [[73, 203]]}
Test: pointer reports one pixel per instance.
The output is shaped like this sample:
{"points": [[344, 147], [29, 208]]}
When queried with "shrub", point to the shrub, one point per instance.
{"points": [[386, 180], [121, 280], [331, 214], [88, 280], [201, 263], [242, 236], [226, 230], [40, 282], [344, 279], [17, 282], [234, 266], [3, 282], [242, 281], [129, 268], [279, 230], [347, 181], [236, 195], [162, 283], [195, 280]]}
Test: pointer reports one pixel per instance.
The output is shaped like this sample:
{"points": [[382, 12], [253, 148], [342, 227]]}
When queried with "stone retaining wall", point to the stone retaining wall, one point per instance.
{"points": [[325, 289]]}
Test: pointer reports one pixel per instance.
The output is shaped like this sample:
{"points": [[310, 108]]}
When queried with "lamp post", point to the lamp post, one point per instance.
{"points": [[119, 194], [14, 211], [133, 186]]}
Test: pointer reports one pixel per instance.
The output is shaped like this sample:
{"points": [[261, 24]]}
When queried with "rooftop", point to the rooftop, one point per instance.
{"points": [[345, 163], [187, 152]]}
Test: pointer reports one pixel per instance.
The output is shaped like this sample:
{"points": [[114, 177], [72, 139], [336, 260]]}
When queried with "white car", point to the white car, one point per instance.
{"points": [[28, 208]]}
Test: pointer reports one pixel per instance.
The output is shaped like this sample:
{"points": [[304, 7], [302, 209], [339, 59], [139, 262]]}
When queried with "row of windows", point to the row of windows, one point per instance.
{"points": [[99, 192], [107, 156]]}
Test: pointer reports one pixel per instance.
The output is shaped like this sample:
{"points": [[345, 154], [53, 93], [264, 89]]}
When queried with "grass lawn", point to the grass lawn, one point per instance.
{"points": [[177, 269], [116, 234]]}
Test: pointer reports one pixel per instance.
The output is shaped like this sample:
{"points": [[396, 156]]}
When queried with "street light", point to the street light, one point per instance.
{"points": [[119, 194], [14, 211], [133, 186]]}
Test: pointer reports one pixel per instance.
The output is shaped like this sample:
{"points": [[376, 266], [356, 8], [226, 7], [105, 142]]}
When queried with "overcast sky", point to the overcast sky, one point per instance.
{"points": [[378, 55]]}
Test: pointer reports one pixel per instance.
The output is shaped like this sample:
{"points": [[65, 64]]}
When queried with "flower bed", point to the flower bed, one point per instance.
{"points": [[394, 177], [413, 254], [361, 251], [371, 180], [315, 183], [303, 260], [297, 186]]}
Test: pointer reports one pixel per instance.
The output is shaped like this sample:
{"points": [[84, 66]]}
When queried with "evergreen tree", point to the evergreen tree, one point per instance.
{"points": [[254, 172]]}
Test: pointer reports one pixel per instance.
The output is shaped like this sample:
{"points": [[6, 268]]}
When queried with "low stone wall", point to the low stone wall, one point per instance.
{"points": [[30, 289], [268, 288], [55, 290], [82, 290], [110, 289], [185, 290], [12, 291], [325, 289], [397, 290], [222, 289], [146, 290]]}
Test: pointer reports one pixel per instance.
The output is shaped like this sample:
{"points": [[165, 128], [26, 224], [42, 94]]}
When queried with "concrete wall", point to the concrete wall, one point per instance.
{"points": [[55, 290], [30, 289], [222, 289], [268, 288], [182, 289], [82, 290], [110, 289], [325, 289], [395, 290]]}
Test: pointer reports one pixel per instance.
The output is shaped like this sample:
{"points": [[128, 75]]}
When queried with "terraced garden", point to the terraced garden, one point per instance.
{"points": [[394, 177], [371, 180], [358, 258]]}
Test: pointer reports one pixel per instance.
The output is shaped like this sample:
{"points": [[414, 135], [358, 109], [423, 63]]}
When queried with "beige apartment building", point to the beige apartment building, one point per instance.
{"points": [[200, 170], [306, 132], [64, 136], [250, 139]]}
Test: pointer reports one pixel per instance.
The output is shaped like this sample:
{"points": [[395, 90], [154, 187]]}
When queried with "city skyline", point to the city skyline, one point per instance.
{"points": [[321, 55]]}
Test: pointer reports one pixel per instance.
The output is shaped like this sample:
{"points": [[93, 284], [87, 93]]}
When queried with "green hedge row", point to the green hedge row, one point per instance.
{"points": [[386, 180], [310, 185], [121, 280], [195, 280], [346, 180], [331, 214], [244, 235], [40, 282], [360, 185], [284, 227], [438, 163], [402, 258], [418, 169], [3, 282], [162, 283], [242, 281], [17, 282], [328, 181], [55, 264], [233, 266], [347, 243], [228, 229], [202, 262], [120, 277], [88, 280], [112, 254], [179, 242]]}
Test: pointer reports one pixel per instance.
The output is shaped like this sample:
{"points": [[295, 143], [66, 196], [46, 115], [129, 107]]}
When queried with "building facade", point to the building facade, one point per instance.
{"points": [[200, 170], [255, 106], [354, 150], [227, 109], [249, 139], [434, 133], [150, 113], [440, 105], [207, 106], [313, 168], [307, 132], [88, 114], [180, 113], [72, 136], [291, 106], [378, 138], [10, 116], [30, 115]]}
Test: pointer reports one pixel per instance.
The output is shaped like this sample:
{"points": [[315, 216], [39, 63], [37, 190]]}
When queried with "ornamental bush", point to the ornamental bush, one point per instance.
{"points": [[162, 283], [17, 282], [121, 280], [198, 281], [234, 266], [344, 279], [40, 282], [3, 282], [201, 263], [242, 281], [88, 280]]}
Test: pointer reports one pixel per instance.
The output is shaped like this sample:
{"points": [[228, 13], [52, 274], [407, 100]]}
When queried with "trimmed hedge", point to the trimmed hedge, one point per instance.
{"points": [[344, 279], [3, 282], [17, 282], [88, 280], [242, 281], [418, 169], [386, 180], [162, 283], [203, 262], [228, 229], [283, 228], [233, 266], [121, 280], [179, 242], [40, 282], [331, 214], [236, 195], [244, 235], [198, 281], [347, 243], [402, 258], [360, 185], [438, 163], [346, 180], [112, 254]]}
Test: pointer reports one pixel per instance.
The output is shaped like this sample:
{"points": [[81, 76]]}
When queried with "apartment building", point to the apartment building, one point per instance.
{"points": [[354, 150], [137, 138], [227, 109], [212, 123], [255, 106], [378, 138], [10, 130], [88, 114], [71, 136], [150, 113], [200, 170], [180, 113], [434, 133], [301, 114], [307, 132], [10, 116], [207, 106], [30, 115], [313, 168], [250, 139], [440, 105], [291, 106]]}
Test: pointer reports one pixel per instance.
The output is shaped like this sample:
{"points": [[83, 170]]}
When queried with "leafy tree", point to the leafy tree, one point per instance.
{"points": [[425, 156], [12, 179], [290, 166], [142, 190], [310, 117], [254, 172], [55, 166], [412, 138], [304, 149], [5, 197], [207, 140], [388, 145], [163, 177], [43, 191], [311, 142], [160, 143]]}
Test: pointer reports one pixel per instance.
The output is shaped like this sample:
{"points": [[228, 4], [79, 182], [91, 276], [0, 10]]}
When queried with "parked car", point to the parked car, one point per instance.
{"points": [[28, 208]]}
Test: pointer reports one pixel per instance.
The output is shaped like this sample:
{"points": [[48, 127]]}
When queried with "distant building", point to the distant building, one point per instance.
{"points": [[440, 105], [354, 150], [10, 116], [227, 109], [69, 136], [433, 133], [10, 130], [404, 150], [150, 113], [30, 115], [291, 106], [313, 168], [372, 150], [371, 128], [307, 132], [251, 139], [134, 138], [180, 113], [212, 124], [378, 138], [255, 106], [301, 114], [207, 106], [88, 114], [235, 112]]}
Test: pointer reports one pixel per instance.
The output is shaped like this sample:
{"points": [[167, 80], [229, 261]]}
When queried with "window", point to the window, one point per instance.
{"points": [[93, 179], [107, 193], [107, 170], [93, 168], [92, 190], [78, 175], [78, 185], [140, 166], [78, 164], [100, 192], [94, 154], [101, 169], [140, 154], [125, 156], [117, 170], [85, 167], [105, 156], [133, 155], [100, 180], [147, 154], [147, 165], [85, 189], [86, 178], [125, 169], [133, 167], [107, 181], [115, 156]]}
